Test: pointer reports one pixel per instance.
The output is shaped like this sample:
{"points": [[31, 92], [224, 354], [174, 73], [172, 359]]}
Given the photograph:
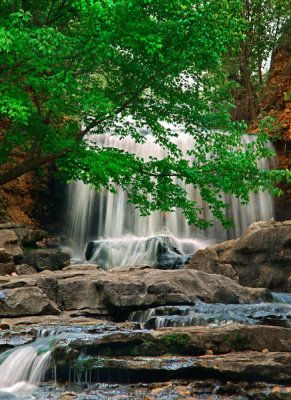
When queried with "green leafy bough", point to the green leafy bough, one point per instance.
{"points": [[72, 67]]}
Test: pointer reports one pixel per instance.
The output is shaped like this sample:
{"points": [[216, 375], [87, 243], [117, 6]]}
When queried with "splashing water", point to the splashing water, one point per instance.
{"points": [[203, 314], [121, 231], [24, 368]]}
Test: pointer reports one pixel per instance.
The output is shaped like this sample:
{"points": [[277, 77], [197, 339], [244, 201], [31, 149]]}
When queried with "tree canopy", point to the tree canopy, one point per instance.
{"points": [[72, 67], [266, 21]]}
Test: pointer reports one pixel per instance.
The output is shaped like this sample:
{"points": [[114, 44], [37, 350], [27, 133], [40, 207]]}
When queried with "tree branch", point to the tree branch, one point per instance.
{"points": [[94, 123], [26, 166]]}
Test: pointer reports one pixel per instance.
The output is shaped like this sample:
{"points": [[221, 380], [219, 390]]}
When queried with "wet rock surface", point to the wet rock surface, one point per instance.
{"points": [[59, 310], [86, 351], [114, 340], [251, 366], [260, 258], [182, 389], [10, 338], [276, 313], [171, 390]]}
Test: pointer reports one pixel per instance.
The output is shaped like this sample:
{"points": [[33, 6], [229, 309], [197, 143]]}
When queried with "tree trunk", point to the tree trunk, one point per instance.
{"points": [[248, 83], [260, 70], [27, 165]]}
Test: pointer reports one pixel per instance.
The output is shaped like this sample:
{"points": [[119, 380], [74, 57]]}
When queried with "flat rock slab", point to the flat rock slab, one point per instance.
{"points": [[117, 292], [228, 338], [16, 337], [251, 366], [125, 340]]}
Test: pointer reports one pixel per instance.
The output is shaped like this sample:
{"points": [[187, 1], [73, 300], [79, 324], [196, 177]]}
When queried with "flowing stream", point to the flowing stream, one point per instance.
{"points": [[204, 314], [120, 236], [25, 367]]}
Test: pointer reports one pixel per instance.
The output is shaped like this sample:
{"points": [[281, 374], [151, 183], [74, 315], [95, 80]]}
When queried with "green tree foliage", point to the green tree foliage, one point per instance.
{"points": [[70, 67], [265, 21]]}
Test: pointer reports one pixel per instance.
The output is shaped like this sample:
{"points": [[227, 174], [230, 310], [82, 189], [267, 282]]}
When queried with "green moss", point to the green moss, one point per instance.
{"points": [[63, 354], [41, 351], [238, 342], [30, 247], [175, 339], [84, 363], [287, 95]]}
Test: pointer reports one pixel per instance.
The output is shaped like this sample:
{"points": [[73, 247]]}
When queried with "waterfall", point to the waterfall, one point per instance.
{"points": [[206, 314], [23, 368], [121, 236]]}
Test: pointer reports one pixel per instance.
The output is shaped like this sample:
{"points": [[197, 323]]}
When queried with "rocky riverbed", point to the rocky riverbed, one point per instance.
{"points": [[193, 333]]}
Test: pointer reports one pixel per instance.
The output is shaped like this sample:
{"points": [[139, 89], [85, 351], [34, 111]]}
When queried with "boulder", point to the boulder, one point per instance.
{"points": [[149, 287], [79, 292], [24, 269], [46, 259], [207, 260], [49, 286], [4, 256], [28, 236], [9, 241], [26, 301], [6, 263], [260, 258], [6, 268], [101, 292]]}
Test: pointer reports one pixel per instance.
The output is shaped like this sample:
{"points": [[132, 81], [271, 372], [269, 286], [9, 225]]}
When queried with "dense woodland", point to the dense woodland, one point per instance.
{"points": [[70, 68]]}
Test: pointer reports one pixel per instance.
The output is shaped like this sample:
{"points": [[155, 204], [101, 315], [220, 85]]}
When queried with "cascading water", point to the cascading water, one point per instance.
{"points": [[203, 314], [23, 368], [121, 236], [50, 356]]}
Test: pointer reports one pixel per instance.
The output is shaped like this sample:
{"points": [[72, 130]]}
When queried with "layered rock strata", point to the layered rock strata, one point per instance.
{"points": [[86, 289], [260, 258]]}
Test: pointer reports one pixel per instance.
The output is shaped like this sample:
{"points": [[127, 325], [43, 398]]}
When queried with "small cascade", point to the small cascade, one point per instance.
{"points": [[23, 369], [204, 314], [284, 298], [121, 236], [158, 251]]}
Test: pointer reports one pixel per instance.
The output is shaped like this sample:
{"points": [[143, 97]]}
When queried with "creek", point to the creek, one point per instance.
{"points": [[25, 369]]}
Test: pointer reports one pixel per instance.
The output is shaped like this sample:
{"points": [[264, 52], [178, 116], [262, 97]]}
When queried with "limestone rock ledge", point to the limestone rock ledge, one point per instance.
{"points": [[88, 290], [174, 353], [260, 258]]}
